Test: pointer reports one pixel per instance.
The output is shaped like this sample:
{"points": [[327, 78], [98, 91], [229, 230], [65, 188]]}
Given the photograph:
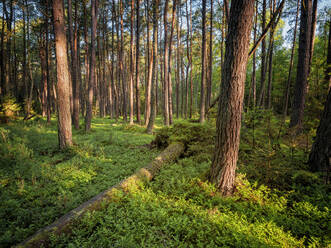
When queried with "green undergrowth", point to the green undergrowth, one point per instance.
{"points": [[38, 183], [277, 202]]}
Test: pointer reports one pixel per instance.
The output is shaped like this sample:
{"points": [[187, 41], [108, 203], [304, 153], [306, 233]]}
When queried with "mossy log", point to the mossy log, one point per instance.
{"points": [[63, 224]]}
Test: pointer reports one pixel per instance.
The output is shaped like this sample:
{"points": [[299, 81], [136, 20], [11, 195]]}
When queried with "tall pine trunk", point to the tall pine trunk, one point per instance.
{"points": [[64, 115], [303, 64], [232, 94]]}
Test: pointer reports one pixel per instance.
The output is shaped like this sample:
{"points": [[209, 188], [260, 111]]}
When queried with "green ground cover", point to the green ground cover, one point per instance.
{"points": [[38, 183], [277, 202]]}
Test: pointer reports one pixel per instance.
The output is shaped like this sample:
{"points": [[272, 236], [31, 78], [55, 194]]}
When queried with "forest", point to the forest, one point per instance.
{"points": [[165, 123]]}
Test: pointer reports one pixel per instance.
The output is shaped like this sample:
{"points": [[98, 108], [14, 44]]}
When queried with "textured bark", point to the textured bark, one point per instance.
{"points": [[131, 64], [288, 84], [320, 155], [94, 16], [270, 55], [124, 102], [303, 65], [174, 4], [210, 65], [254, 61], [263, 58], [137, 62], [232, 93], [203, 66], [149, 60], [64, 115], [312, 34], [166, 74], [151, 121], [74, 71]]}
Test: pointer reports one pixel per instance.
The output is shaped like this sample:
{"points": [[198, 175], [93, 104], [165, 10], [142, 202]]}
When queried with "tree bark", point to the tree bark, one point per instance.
{"points": [[288, 84], [151, 121], [320, 155], [203, 66], [131, 64], [303, 64], [166, 73], [232, 93], [64, 115], [210, 65], [263, 58], [94, 16], [174, 4], [137, 62]]}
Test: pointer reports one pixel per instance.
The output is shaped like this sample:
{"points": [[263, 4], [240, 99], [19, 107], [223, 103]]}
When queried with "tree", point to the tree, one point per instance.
{"points": [[225, 157], [74, 63], [320, 155], [288, 84], [301, 84], [64, 115], [137, 62], [94, 16], [166, 74], [151, 121], [131, 64], [203, 66]]}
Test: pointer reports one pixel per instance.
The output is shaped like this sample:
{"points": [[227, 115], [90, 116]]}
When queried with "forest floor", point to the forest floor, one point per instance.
{"points": [[277, 203]]}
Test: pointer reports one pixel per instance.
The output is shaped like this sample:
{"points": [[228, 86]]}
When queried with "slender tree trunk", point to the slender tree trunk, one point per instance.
{"points": [[254, 60], [232, 93], [270, 55], [191, 64], [151, 121], [263, 58], [177, 62], [131, 64], [210, 66], [94, 16], [312, 34], [288, 84], [203, 66], [166, 70], [174, 4], [303, 65], [64, 118], [49, 99], [74, 78], [137, 61]]}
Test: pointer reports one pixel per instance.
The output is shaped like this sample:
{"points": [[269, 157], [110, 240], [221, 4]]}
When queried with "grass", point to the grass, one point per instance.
{"points": [[277, 203], [39, 183]]}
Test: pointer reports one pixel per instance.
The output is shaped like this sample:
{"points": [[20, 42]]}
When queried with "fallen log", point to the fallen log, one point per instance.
{"points": [[63, 224]]}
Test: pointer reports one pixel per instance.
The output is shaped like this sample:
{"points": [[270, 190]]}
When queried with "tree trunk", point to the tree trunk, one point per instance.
{"points": [[137, 62], [210, 65], [94, 16], [320, 155], [203, 65], [263, 58], [150, 125], [131, 64], [166, 72], [288, 84], [232, 93], [270, 54], [64, 115], [174, 4], [303, 65]]}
